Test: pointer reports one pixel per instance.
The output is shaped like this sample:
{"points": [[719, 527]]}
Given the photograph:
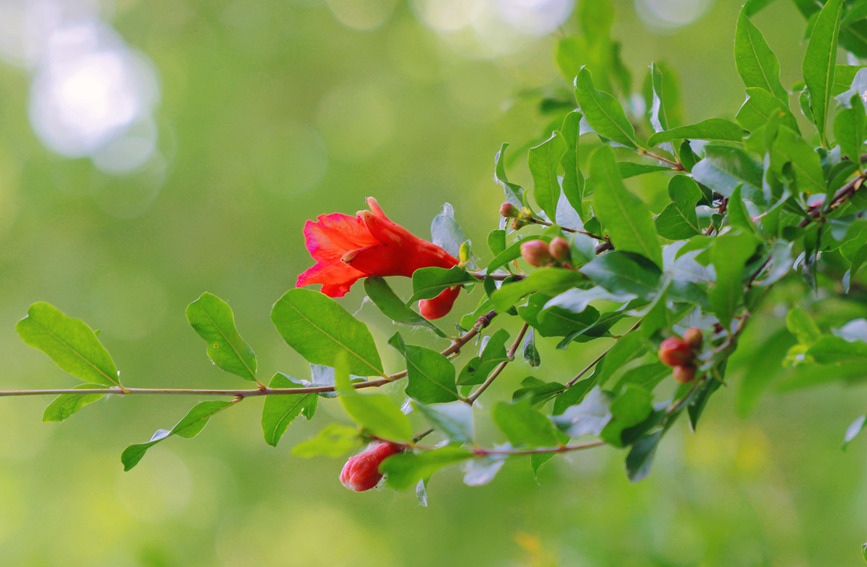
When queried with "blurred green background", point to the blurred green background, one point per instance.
{"points": [[153, 150]]}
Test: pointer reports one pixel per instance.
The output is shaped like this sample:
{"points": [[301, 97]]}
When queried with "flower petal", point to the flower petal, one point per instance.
{"points": [[336, 278], [331, 236]]}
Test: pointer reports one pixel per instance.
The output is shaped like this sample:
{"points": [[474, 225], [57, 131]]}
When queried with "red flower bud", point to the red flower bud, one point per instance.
{"points": [[361, 471], [440, 305], [693, 337], [675, 352], [535, 252], [508, 210], [684, 374], [559, 249]]}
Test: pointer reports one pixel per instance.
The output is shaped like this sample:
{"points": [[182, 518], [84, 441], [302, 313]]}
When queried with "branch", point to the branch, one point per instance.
{"points": [[596, 360], [816, 211], [510, 355], [454, 348]]}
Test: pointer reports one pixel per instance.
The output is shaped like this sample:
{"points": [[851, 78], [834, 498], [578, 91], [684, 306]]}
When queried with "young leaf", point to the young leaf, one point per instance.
{"points": [[375, 412], [455, 420], [525, 426], [333, 440], [658, 119], [430, 375], [711, 129], [69, 343], [514, 193], [280, 411], [318, 328], [65, 405], [406, 469], [492, 354], [602, 111], [789, 147], [544, 161], [392, 306], [678, 220], [625, 217], [446, 232], [624, 272], [756, 63], [213, 320], [819, 62], [188, 427], [531, 354], [738, 214]]}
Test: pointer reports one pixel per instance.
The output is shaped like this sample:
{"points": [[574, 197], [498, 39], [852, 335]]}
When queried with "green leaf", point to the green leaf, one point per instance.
{"points": [[729, 255], [549, 281], [514, 193], [658, 119], [430, 375], [559, 319], [626, 348], [725, 167], [69, 343], [446, 232], [835, 350], [318, 328], [760, 106], [602, 111], [789, 147], [406, 469], [529, 350], [819, 61], [524, 426], [544, 160], [640, 457], [334, 440], [678, 220], [738, 215], [802, 326], [624, 272], [455, 420], [711, 129], [756, 63], [279, 411], [64, 405], [188, 427], [213, 320], [493, 353], [630, 169], [428, 283], [573, 179], [392, 306], [628, 409], [625, 217], [374, 412], [850, 130]]}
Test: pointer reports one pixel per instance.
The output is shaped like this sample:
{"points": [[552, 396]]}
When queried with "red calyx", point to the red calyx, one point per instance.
{"points": [[361, 471], [674, 351]]}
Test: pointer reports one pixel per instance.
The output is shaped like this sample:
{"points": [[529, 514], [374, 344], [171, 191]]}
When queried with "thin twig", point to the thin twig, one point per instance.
{"points": [[596, 360], [510, 355], [675, 165], [818, 210], [454, 348]]}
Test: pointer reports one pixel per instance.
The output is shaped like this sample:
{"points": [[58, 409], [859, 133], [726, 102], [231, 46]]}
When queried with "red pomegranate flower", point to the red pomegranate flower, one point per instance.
{"points": [[348, 248]]}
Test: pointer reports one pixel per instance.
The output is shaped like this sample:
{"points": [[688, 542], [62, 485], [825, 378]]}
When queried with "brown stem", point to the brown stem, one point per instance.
{"points": [[510, 355], [454, 348], [675, 165], [818, 210]]}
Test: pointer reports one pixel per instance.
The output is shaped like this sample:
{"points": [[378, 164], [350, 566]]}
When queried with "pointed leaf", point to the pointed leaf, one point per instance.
{"points": [[756, 63], [711, 129], [819, 61], [602, 111], [213, 320], [280, 411], [544, 160], [625, 217], [392, 306], [430, 375], [66, 405], [318, 328], [188, 427], [69, 343]]}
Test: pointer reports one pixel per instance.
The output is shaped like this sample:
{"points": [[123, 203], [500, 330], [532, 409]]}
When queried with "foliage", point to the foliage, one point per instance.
{"points": [[754, 206]]}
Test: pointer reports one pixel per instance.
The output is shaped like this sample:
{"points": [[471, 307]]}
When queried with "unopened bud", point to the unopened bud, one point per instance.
{"points": [[509, 210], [675, 352], [559, 249], [693, 337], [684, 374], [361, 471], [535, 252]]}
